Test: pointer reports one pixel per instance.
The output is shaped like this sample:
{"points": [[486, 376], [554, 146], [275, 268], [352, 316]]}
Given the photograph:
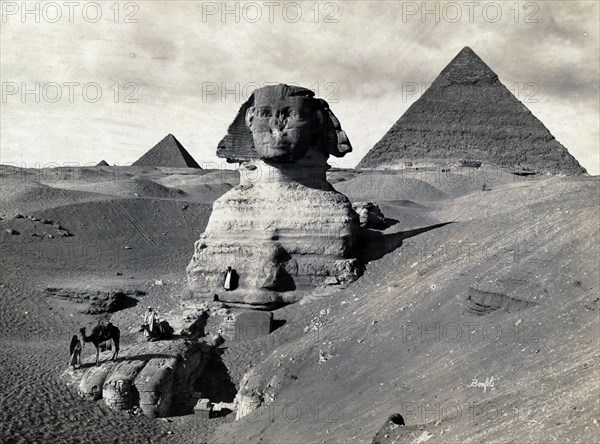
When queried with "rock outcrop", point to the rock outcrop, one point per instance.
{"points": [[391, 431], [370, 215], [481, 303], [284, 227], [469, 116], [95, 301], [169, 152]]}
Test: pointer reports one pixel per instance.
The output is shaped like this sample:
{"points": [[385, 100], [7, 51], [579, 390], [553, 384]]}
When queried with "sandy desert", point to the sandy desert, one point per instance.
{"points": [[529, 238], [416, 262]]}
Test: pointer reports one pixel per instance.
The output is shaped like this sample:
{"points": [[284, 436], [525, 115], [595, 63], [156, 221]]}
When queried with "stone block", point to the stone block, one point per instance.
{"points": [[251, 325], [203, 408]]}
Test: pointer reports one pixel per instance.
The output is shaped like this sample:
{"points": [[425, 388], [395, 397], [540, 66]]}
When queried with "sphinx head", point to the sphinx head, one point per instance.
{"points": [[281, 123]]}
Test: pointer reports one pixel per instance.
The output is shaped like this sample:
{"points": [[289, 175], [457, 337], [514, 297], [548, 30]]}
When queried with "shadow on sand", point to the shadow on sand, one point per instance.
{"points": [[374, 244]]}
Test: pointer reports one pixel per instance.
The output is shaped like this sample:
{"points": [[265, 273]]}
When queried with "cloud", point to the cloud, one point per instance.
{"points": [[359, 62]]}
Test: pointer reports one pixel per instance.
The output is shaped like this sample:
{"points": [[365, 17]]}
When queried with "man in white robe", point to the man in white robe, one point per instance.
{"points": [[227, 283], [151, 320]]}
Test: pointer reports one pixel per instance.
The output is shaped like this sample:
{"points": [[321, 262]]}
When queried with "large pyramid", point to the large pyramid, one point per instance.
{"points": [[167, 153], [469, 115]]}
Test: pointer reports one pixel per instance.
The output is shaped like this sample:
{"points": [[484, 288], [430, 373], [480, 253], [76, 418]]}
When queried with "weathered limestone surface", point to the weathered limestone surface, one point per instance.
{"points": [[370, 215], [155, 386], [284, 227], [92, 381], [247, 399], [155, 376], [258, 388], [278, 236], [119, 392]]}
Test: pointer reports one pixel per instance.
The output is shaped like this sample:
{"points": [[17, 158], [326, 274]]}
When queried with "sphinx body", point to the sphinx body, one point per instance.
{"points": [[284, 229]]}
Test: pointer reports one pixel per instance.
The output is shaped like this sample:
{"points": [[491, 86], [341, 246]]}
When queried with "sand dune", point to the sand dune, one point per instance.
{"points": [[128, 187], [533, 240], [398, 340], [386, 187]]}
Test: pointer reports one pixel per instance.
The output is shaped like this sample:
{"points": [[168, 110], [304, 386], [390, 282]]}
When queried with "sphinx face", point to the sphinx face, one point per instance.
{"points": [[282, 130]]}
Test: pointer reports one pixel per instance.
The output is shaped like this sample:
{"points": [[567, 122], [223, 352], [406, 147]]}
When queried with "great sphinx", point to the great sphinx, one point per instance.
{"points": [[284, 228]]}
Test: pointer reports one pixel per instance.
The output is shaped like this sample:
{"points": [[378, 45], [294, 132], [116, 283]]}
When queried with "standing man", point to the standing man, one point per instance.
{"points": [[227, 283], [75, 351], [151, 322]]}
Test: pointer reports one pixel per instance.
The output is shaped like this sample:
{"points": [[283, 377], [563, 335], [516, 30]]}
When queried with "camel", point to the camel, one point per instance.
{"points": [[161, 331], [101, 333]]}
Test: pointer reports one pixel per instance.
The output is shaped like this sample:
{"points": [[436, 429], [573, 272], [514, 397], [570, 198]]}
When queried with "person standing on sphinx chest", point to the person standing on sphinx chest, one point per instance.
{"points": [[230, 280], [227, 282]]}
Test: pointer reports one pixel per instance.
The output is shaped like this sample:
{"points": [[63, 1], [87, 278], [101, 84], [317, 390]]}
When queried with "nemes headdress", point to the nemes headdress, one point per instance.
{"points": [[238, 144]]}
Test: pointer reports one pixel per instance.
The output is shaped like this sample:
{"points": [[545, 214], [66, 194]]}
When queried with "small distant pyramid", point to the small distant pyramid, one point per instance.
{"points": [[167, 153], [468, 115], [102, 163]]}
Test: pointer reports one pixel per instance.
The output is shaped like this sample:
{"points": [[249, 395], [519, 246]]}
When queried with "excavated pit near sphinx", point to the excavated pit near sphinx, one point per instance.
{"points": [[162, 378]]}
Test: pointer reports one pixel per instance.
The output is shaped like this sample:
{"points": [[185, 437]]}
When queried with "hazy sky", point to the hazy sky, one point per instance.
{"points": [[185, 67]]}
